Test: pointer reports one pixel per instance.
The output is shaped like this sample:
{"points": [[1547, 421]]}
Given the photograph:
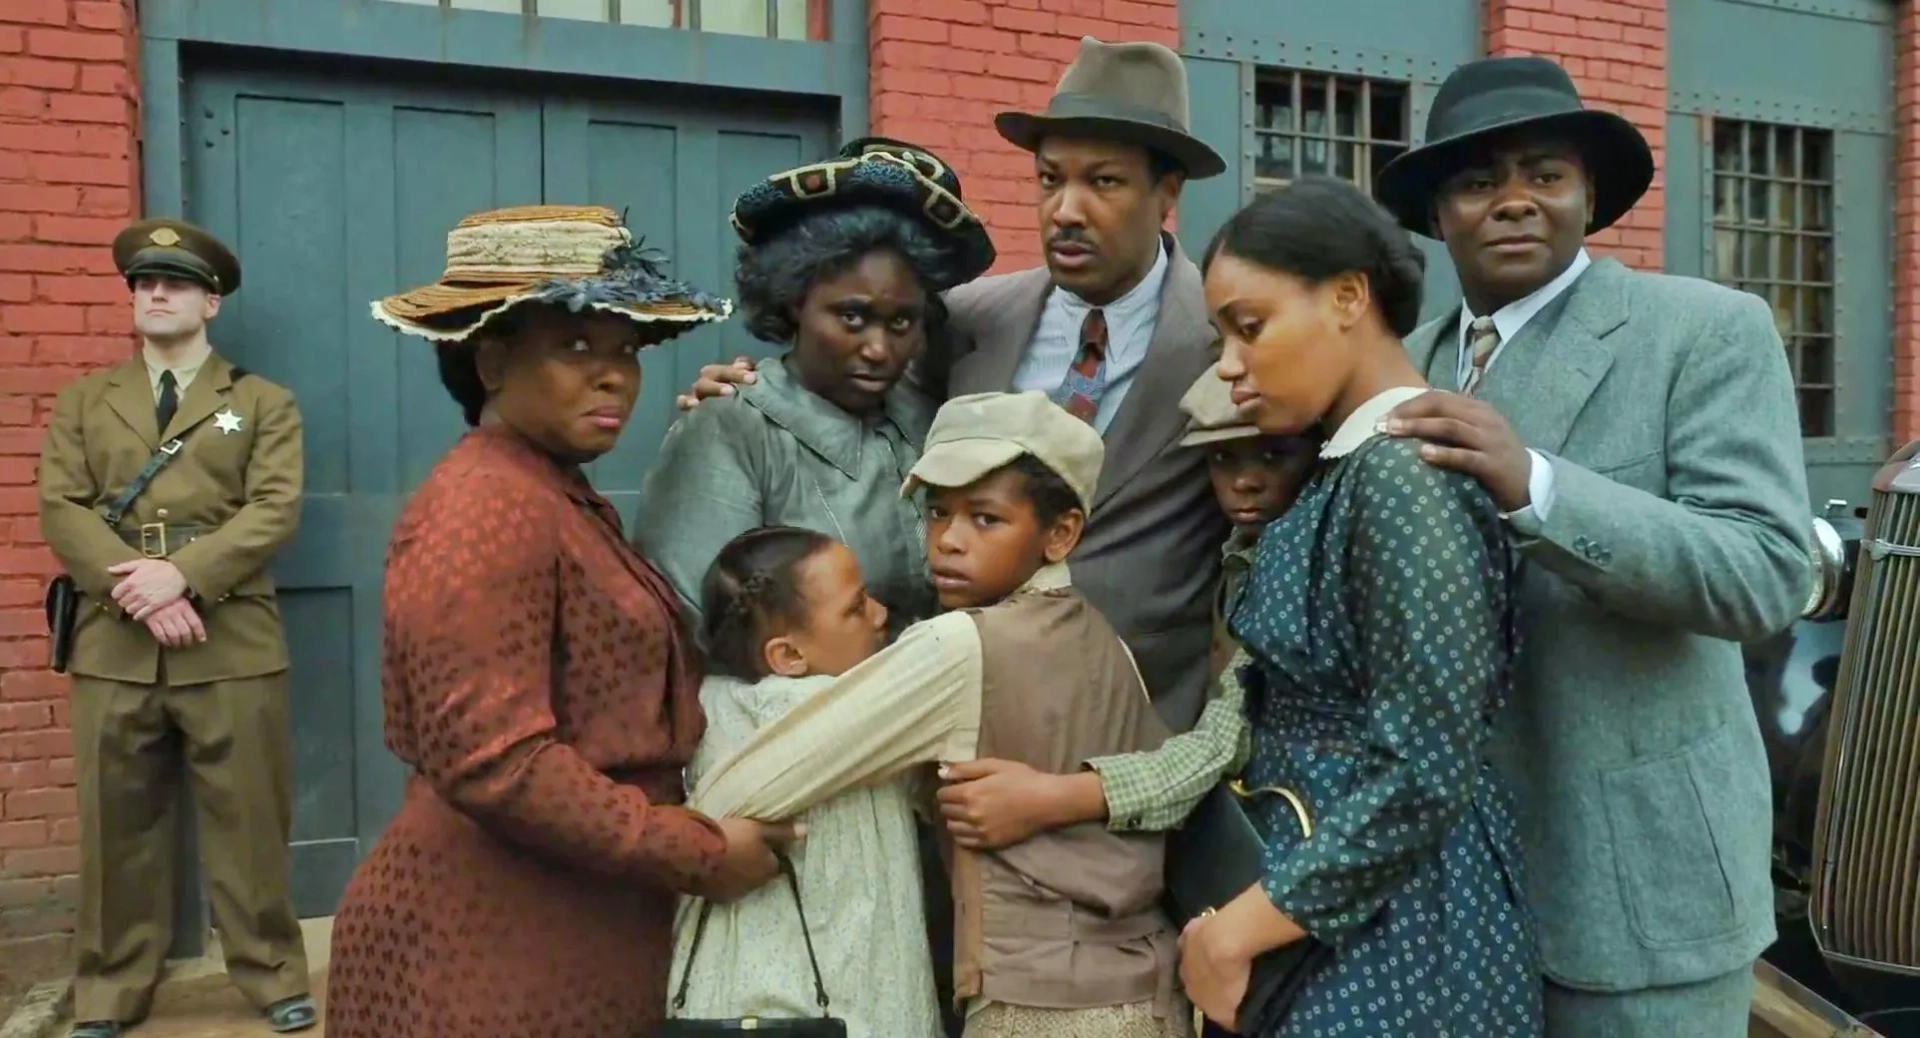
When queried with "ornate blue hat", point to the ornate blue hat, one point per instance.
{"points": [[871, 171]]}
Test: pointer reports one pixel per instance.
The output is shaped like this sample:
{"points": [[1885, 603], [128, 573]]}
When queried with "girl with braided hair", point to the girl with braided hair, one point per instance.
{"points": [[784, 611]]}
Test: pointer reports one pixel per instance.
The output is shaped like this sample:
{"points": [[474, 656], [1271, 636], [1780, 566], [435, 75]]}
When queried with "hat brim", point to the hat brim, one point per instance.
{"points": [[1026, 130], [173, 263], [454, 313], [956, 463], [1619, 161], [1202, 437]]}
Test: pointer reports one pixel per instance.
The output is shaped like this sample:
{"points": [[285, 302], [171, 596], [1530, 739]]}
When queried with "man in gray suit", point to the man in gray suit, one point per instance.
{"points": [[1114, 327], [1640, 431]]}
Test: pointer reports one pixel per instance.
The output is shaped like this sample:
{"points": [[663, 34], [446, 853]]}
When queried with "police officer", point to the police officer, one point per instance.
{"points": [[167, 483]]}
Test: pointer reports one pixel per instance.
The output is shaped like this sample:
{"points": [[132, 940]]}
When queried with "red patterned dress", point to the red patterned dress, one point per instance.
{"points": [[539, 687]]}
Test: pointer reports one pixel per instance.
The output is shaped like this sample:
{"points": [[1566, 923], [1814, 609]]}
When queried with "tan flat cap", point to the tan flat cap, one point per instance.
{"points": [[1211, 413], [976, 434]]}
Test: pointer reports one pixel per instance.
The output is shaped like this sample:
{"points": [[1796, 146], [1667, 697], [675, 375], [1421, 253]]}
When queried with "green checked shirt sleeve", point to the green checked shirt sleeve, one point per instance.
{"points": [[1155, 791]]}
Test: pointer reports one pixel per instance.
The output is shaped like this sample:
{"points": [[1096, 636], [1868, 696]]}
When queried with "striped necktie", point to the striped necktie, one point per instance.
{"points": [[1080, 391], [1483, 339]]}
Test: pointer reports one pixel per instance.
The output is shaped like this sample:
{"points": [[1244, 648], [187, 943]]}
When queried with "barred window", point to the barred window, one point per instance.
{"points": [[1773, 236], [1310, 123], [782, 19]]}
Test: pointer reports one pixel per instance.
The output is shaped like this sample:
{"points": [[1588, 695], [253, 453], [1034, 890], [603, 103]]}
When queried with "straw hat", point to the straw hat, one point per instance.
{"points": [[579, 257]]}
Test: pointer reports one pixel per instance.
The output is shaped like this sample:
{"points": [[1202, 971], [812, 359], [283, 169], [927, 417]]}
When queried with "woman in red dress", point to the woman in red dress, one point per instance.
{"points": [[536, 680]]}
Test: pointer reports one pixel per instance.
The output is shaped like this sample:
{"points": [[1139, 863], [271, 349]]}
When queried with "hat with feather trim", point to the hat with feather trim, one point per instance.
{"points": [[871, 171], [577, 257]]}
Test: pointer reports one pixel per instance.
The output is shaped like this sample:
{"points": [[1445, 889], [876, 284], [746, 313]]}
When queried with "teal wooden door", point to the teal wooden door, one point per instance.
{"points": [[338, 189], [675, 170]]}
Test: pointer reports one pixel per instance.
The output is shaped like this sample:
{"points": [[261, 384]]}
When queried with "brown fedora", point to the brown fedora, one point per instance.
{"points": [[1134, 93]]}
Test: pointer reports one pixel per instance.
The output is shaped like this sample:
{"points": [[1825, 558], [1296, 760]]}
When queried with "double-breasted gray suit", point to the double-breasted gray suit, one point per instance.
{"points": [[1678, 527], [1150, 556]]}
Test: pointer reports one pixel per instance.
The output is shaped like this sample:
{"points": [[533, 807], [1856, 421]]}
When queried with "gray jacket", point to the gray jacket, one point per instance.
{"points": [[1150, 558], [1678, 529], [775, 453]]}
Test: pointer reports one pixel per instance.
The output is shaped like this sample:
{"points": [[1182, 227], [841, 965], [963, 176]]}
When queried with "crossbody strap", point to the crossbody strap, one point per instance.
{"points": [[117, 508], [700, 929]]}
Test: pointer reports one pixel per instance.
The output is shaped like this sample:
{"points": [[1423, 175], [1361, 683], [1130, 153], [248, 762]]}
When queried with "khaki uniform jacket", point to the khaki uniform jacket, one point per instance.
{"points": [[239, 488]]}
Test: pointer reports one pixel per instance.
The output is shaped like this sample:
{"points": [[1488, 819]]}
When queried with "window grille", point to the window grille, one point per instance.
{"points": [[1310, 123], [780, 19], [1772, 235]]}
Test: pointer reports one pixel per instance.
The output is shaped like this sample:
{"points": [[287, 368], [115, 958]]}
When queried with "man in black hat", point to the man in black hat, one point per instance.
{"points": [[167, 483], [1640, 431]]}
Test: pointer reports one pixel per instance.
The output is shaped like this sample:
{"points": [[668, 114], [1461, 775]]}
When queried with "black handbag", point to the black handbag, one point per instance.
{"points": [[1212, 859], [822, 1026]]}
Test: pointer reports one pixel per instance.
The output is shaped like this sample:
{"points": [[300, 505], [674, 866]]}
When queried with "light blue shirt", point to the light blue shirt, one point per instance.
{"points": [[1056, 342], [1508, 320]]}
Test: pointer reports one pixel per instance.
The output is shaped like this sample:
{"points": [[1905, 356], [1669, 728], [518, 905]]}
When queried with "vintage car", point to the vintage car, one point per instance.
{"points": [[1838, 698]]}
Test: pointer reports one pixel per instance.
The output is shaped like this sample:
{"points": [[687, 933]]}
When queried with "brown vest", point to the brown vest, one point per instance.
{"points": [[1070, 919]]}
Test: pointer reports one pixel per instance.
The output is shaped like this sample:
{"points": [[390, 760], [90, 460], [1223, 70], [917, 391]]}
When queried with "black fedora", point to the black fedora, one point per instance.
{"points": [[1133, 93], [1493, 97]]}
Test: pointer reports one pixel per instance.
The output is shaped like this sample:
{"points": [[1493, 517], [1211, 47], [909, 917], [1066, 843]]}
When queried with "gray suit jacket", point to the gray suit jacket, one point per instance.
{"points": [[1151, 553], [1678, 528]]}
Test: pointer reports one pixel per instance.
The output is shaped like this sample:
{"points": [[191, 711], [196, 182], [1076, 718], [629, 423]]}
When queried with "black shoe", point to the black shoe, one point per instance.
{"points": [[285, 1016]]}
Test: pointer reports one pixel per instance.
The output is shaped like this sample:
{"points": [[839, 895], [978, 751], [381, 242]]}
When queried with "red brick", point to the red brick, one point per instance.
{"points": [[24, 103], [100, 14], [88, 108], [1016, 20], [50, 802], [904, 27], [44, 861], [83, 46], [35, 198], [103, 79], [82, 290], [13, 39], [38, 72], [34, 12]]}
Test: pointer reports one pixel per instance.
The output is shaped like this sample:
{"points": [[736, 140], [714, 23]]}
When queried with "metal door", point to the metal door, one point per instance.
{"points": [[336, 189]]}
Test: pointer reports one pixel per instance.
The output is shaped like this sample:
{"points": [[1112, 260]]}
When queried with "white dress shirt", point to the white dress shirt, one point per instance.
{"points": [[1056, 342], [1508, 320]]}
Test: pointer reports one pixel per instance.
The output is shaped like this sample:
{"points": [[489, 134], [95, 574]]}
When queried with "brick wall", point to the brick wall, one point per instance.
{"points": [[1906, 228], [68, 182], [1616, 51], [940, 70]]}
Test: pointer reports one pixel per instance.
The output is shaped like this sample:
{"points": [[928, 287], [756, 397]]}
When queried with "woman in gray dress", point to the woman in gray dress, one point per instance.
{"points": [[843, 262]]}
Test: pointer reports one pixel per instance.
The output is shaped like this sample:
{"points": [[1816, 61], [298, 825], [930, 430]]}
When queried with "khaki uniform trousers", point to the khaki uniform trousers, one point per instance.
{"points": [[131, 745]]}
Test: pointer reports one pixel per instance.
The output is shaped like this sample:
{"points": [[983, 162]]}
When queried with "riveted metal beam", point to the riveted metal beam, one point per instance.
{"points": [[1878, 120], [1315, 57], [1873, 11]]}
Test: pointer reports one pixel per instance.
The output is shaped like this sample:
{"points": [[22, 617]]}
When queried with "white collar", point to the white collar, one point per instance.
{"points": [[1140, 296], [1509, 319], [1366, 420]]}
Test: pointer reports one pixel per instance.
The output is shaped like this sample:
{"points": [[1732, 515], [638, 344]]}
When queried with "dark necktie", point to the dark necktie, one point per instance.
{"points": [[1080, 392], [169, 402]]}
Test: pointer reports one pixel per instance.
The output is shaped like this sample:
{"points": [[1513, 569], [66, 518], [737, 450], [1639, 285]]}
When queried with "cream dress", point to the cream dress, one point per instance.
{"points": [[859, 879]]}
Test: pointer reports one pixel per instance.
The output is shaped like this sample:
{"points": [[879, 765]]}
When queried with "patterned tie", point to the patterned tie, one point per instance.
{"points": [[168, 403], [1080, 392], [1483, 339]]}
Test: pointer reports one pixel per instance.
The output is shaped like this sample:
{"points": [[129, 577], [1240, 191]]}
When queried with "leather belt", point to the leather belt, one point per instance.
{"points": [[159, 540]]}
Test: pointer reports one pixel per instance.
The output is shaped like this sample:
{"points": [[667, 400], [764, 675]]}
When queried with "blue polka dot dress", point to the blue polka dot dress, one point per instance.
{"points": [[1378, 618]]}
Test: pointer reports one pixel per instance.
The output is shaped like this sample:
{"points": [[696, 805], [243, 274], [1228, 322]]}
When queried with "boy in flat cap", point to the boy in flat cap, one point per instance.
{"points": [[1061, 934], [167, 483]]}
